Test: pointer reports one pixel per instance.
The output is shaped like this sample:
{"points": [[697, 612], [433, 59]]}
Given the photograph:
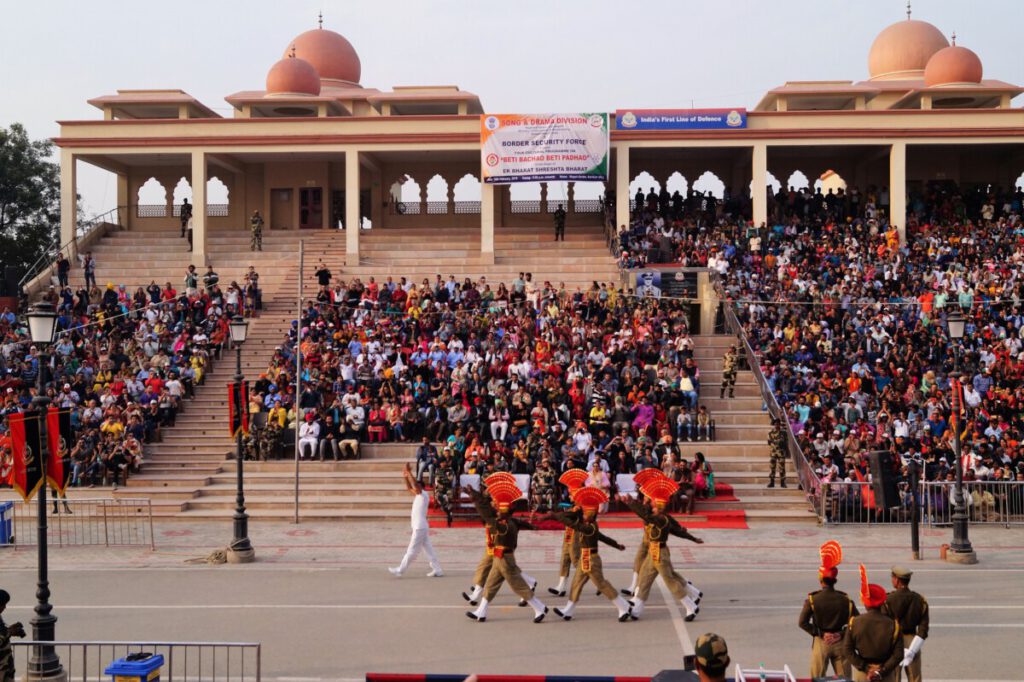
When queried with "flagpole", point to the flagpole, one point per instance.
{"points": [[298, 378]]}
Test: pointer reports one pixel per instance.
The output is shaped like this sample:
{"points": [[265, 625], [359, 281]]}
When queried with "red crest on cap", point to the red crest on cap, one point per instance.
{"points": [[645, 476], [872, 596], [504, 493], [499, 476], [573, 479], [589, 498], [831, 556], [661, 490]]}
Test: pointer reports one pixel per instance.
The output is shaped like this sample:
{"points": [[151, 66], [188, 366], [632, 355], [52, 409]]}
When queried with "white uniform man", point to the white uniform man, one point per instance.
{"points": [[420, 540], [309, 435]]}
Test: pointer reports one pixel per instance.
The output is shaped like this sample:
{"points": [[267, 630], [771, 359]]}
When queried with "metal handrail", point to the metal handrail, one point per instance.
{"points": [[809, 481], [81, 231]]}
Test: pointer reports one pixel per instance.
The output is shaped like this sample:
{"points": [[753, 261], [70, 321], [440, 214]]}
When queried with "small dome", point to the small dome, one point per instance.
{"points": [[901, 51], [331, 55], [953, 65], [293, 76]]}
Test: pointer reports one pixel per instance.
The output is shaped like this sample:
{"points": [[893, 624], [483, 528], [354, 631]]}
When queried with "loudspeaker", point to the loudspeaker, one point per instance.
{"points": [[883, 479]]}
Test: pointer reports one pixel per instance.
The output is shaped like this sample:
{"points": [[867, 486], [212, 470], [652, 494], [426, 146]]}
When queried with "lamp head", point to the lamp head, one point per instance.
{"points": [[42, 323], [239, 328]]}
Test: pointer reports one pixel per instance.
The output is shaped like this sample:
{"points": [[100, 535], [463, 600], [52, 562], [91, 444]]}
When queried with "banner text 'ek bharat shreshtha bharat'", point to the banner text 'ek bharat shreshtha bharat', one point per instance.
{"points": [[544, 147]]}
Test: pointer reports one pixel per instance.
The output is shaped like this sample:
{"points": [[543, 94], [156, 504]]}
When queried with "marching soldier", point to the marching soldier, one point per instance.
{"points": [[6, 632], [444, 484], [642, 478], [825, 615], [256, 224], [659, 526], [483, 567], [729, 363], [873, 645], [777, 454], [506, 538], [910, 610], [589, 568], [573, 479]]}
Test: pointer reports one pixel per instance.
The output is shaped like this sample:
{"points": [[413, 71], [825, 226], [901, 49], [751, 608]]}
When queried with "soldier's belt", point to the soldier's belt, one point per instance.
{"points": [[654, 549], [500, 552], [585, 555], [567, 537]]}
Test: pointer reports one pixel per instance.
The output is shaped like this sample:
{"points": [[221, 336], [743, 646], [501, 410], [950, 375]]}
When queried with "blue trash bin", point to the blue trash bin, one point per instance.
{"points": [[6, 522], [142, 670]]}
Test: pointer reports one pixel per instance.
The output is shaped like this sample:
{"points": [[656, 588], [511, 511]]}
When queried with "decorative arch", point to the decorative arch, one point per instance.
{"points": [[677, 182], [797, 180], [467, 188], [182, 191], [644, 182], [709, 182], [405, 195], [830, 180], [217, 197], [151, 199]]}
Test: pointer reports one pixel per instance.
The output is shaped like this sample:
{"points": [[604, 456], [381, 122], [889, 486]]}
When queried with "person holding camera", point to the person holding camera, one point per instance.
{"points": [[6, 632]]}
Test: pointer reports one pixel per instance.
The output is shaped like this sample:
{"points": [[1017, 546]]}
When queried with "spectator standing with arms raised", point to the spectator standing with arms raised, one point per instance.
{"points": [[420, 540]]}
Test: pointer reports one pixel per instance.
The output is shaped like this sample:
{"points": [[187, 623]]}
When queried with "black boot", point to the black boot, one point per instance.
{"points": [[67, 509]]}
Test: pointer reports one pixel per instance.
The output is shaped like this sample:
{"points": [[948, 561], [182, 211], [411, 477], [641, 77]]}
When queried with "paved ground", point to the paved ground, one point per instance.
{"points": [[324, 607]]}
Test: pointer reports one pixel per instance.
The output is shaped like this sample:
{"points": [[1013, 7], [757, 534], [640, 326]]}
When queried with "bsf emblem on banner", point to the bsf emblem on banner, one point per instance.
{"points": [[629, 120], [30, 455], [734, 119]]}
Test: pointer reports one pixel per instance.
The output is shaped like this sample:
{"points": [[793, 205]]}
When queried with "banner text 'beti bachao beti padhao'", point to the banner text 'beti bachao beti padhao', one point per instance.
{"points": [[680, 119], [544, 147]]}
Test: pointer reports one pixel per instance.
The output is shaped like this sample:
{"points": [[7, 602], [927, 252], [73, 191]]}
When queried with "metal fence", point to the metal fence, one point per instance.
{"points": [[107, 522], [988, 503], [184, 661]]}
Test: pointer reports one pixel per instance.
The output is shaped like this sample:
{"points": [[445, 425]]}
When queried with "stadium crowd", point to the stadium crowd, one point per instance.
{"points": [[124, 364]]}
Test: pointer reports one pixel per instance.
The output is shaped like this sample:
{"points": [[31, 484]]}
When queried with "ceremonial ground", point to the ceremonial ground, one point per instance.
{"points": [[325, 608]]}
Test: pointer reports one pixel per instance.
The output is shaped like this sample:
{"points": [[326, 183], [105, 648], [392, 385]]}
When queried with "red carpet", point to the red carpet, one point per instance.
{"points": [[718, 519]]}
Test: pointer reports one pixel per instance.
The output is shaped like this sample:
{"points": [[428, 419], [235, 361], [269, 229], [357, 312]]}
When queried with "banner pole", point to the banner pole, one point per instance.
{"points": [[298, 378]]}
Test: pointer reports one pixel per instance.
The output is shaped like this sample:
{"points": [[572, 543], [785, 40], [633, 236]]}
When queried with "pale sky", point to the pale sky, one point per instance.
{"points": [[517, 55]]}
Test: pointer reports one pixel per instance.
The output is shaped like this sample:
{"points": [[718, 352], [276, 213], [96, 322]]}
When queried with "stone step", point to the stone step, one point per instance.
{"points": [[307, 498]]}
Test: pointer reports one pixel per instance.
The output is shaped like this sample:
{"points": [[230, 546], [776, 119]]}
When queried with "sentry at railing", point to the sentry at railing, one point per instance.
{"points": [[183, 661], [108, 522]]}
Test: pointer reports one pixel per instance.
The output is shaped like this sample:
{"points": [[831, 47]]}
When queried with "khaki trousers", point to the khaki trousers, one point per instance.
{"points": [[596, 574], [506, 570], [824, 654], [914, 669], [650, 570], [483, 569], [641, 554]]}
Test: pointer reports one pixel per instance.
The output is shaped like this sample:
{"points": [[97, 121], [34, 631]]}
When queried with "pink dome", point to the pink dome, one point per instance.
{"points": [[902, 50], [293, 76], [953, 65], [331, 55]]}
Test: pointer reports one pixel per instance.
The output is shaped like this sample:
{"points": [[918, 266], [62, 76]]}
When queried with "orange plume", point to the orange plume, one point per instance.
{"points": [[499, 476], [589, 498], [831, 556], [573, 479], [660, 490], [645, 476], [504, 493], [872, 596]]}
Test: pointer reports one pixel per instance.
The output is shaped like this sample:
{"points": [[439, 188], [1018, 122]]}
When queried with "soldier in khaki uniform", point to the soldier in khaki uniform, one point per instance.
{"points": [[483, 567], [6, 632], [506, 538], [590, 500], [777, 454], [825, 615], [573, 479], [729, 364], [640, 479], [256, 227], [658, 527], [910, 610], [873, 644]]}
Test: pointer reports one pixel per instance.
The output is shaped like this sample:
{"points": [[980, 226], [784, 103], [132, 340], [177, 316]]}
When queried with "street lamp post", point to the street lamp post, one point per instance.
{"points": [[960, 551], [43, 663], [241, 548]]}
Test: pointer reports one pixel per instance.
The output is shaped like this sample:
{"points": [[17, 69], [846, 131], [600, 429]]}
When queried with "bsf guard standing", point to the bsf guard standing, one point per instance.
{"points": [[256, 224], [825, 615], [444, 484], [6, 632], [910, 610], [777, 454], [729, 363], [873, 644]]}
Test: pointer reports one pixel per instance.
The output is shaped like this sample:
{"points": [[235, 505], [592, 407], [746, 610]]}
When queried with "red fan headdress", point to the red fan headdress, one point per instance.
{"points": [[831, 556], [573, 479], [660, 490], [590, 498], [504, 494], [499, 476], [645, 476], [872, 596]]}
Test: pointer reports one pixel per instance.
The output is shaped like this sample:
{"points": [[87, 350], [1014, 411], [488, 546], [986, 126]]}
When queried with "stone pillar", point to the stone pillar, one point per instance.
{"points": [[423, 199], [622, 187], [69, 202], [898, 188], [486, 223], [544, 197], [198, 181], [123, 201], [352, 208], [451, 199], [570, 198], [759, 191]]}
